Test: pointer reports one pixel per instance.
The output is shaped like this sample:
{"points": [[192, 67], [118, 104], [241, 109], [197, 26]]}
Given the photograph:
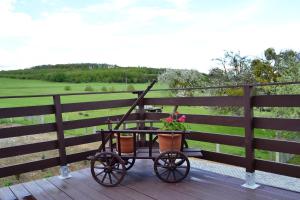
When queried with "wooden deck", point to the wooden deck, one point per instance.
{"points": [[141, 183]]}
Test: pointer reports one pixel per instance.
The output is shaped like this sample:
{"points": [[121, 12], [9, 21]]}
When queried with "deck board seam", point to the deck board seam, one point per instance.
{"points": [[59, 189]]}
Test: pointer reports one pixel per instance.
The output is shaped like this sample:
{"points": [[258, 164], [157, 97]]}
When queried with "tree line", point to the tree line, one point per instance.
{"points": [[86, 72]]}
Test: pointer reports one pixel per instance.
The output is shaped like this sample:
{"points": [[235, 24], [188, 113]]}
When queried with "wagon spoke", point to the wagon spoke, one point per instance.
{"points": [[110, 180], [100, 173], [179, 172], [104, 177], [164, 172], [168, 174], [174, 176], [113, 174], [96, 167]]}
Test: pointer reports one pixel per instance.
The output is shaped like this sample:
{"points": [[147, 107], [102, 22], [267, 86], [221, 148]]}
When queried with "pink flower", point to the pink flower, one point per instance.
{"points": [[182, 118], [169, 119]]}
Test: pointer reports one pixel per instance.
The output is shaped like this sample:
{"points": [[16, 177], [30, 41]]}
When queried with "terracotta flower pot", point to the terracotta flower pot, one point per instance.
{"points": [[126, 143], [169, 142]]}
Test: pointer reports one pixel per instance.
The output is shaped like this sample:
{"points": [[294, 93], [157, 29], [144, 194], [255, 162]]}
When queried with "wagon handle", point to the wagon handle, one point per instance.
{"points": [[134, 105], [102, 146]]}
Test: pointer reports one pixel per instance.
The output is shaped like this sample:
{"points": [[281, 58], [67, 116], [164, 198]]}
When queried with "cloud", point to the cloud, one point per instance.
{"points": [[126, 33]]}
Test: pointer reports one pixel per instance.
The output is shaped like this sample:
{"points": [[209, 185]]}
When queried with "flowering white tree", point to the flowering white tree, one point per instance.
{"points": [[181, 78]]}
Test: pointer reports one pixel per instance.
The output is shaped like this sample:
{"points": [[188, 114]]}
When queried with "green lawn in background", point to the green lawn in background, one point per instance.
{"points": [[14, 87]]}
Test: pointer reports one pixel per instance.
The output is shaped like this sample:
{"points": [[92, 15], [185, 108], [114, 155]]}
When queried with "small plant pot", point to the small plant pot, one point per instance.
{"points": [[169, 142], [126, 143]]}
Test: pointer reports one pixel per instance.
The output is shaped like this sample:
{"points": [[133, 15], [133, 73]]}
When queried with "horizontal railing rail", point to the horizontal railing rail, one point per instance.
{"points": [[248, 121]]}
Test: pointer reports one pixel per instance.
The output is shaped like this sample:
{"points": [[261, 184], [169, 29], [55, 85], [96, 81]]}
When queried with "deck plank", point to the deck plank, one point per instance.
{"points": [[7, 194], [37, 191], [80, 191], [52, 190], [21, 192], [121, 192], [235, 184], [140, 183]]}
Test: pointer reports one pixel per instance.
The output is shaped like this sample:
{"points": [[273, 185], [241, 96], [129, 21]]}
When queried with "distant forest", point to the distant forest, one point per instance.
{"points": [[86, 72]]}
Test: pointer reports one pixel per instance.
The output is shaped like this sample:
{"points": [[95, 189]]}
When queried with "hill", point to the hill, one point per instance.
{"points": [[85, 72]]}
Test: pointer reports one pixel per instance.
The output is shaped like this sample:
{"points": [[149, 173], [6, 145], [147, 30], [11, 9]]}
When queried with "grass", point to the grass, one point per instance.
{"points": [[32, 87]]}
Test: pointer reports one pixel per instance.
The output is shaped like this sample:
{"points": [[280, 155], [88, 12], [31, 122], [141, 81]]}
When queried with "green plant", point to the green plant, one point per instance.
{"points": [[174, 123], [89, 88], [104, 89], [112, 89], [7, 183], [130, 87], [67, 88]]}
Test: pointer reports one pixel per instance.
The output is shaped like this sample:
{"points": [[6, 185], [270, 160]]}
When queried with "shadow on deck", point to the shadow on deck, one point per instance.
{"points": [[141, 183]]}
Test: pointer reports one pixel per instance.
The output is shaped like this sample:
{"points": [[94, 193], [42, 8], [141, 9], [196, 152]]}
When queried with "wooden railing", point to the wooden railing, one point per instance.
{"points": [[247, 102]]}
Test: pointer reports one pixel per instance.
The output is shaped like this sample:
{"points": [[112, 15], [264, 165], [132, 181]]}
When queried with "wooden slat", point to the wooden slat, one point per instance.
{"points": [[28, 148], [277, 101], [80, 156], [204, 119], [28, 167], [72, 141], [72, 107], [26, 130], [277, 145], [224, 158], [196, 101], [21, 193], [51, 190], [216, 138], [278, 168], [26, 111], [93, 121], [277, 124], [7, 194]]}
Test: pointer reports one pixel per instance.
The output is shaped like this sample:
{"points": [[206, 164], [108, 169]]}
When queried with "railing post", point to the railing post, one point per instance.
{"points": [[64, 171], [141, 116], [249, 139]]}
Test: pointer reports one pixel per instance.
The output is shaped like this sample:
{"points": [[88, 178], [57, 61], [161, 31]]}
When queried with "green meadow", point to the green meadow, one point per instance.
{"points": [[16, 87]]}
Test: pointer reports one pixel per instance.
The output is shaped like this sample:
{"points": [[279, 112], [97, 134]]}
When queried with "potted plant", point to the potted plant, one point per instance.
{"points": [[126, 143], [168, 142]]}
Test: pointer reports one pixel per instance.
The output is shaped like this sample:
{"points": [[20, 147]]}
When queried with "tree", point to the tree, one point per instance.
{"points": [[179, 78], [263, 71]]}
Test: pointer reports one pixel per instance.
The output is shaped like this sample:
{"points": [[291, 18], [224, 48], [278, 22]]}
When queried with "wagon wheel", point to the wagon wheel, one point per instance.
{"points": [[171, 166], [108, 169], [185, 144], [128, 162]]}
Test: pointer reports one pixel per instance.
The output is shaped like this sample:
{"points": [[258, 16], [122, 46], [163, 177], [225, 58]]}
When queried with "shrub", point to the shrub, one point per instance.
{"points": [[89, 88], [104, 89], [112, 89], [67, 88], [130, 87]]}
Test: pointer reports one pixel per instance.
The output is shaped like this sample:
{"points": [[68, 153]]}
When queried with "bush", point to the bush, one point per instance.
{"points": [[130, 88], [67, 88], [89, 88], [104, 89], [112, 89]]}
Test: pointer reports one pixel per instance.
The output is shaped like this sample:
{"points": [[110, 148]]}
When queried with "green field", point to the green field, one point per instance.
{"points": [[32, 87]]}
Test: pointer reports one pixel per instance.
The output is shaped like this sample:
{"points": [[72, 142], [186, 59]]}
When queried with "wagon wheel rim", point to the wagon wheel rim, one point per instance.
{"points": [[108, 169], [129, 162], [167, 168]]}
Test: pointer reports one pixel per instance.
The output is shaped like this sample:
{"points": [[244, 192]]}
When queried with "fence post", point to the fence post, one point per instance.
{"points": [[141, 116], [249, 139], [64, 171]]}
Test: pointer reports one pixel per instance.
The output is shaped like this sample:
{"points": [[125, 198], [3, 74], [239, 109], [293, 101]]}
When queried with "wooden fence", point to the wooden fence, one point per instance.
{"points": [[248, 122]]}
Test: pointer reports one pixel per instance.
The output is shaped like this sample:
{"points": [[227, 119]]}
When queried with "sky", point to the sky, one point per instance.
{"points": [[184, 34]]}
